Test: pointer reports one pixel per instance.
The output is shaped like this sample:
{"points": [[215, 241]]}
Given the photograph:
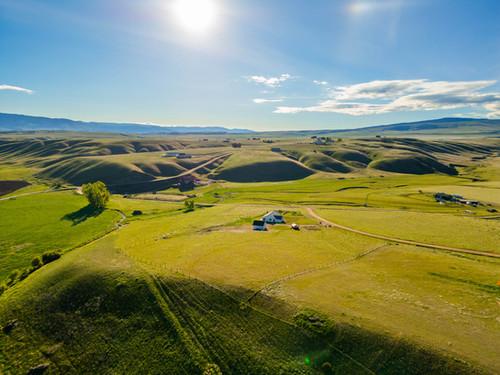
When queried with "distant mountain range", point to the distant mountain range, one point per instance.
{"points": [[450, 126], [23, 123], [447, 124], [444, 126]]}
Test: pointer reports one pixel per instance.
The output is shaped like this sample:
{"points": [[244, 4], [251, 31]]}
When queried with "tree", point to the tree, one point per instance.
{"points": [[97, 194]]}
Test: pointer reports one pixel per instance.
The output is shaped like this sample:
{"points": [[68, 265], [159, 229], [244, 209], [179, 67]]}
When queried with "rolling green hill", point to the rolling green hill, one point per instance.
{"points": [[259, 166], [98, 311]]}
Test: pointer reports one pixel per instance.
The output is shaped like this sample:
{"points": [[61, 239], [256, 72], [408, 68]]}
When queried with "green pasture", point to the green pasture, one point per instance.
{"points": [[443, 229], [447, 301], [32, 225]]}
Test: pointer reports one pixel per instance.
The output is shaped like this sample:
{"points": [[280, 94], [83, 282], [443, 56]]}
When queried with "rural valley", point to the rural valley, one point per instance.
{"points": [[384, 257], [251, 187]]}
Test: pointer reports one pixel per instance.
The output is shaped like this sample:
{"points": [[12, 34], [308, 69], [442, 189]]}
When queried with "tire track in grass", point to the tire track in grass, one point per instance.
{"points": [[159, 292]]}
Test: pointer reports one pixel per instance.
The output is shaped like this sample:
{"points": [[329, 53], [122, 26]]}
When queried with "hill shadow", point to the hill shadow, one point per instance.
{"points": [[82, 214]]}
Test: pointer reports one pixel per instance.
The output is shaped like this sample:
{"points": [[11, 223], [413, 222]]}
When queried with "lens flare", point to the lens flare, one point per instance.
{"points": [[195, 16]]}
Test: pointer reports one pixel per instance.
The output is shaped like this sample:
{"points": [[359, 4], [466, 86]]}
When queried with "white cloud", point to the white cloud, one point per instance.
{"points": [[270, 81], [264, 101], [494, 109], [376, 97], [320, 83], [15, 88]]}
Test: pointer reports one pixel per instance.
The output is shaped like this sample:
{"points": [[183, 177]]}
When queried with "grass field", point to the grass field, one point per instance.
{"points": [[104, 305], [434, 228], [181, 290], [32, 225], [449, 302]]}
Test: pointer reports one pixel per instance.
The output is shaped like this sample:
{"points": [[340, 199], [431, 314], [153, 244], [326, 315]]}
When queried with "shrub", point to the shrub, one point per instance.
{"points": [[25, 273], [212, 369], [314, 321], [97, 194], [11, 279], [188, 206], [3, 288], [50, 256], [36, 263], [136, 213]]}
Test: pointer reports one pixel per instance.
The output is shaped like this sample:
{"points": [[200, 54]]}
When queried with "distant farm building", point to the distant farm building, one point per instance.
{"points": [[454, 198], [171, 154], [273, 217], [182, 155], [259, 225], [236, 145], [319, 141], [276, 149]]}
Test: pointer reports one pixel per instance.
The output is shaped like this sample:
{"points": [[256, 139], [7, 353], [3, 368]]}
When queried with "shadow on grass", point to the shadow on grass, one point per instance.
{"points": [[83, 214]]}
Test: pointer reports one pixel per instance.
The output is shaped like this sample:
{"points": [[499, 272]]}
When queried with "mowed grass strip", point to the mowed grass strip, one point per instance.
{"points": [[432, 228], [32, 225]]}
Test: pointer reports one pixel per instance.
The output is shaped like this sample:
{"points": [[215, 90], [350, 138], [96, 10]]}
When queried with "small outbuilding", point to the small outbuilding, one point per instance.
{"points": [[171, 154], [273, 217], [259, 225]]}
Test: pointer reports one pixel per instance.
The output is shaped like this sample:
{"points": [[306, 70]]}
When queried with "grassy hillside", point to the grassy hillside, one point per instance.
{"points": [[258, 166], [32, 225], [412, 164], [97, 311], [324, 163]]}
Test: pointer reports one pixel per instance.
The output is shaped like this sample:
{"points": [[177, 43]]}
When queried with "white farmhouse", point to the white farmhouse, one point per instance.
{"points": [[273, 217]]}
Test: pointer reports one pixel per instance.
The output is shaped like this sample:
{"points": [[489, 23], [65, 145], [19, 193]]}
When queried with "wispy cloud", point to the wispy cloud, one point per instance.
{"points": [[15, 88], [269, 81], [377, 97], [264, 101], [320, 83]]}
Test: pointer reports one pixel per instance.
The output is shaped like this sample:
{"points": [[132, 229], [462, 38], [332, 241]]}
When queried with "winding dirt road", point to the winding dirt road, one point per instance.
{"points": [[314, 215]]}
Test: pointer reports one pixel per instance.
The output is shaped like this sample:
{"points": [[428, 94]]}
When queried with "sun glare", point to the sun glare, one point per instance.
{"points": [[195, 16]]}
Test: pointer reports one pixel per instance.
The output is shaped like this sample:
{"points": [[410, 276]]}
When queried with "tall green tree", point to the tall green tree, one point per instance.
{"points": [[97, 194]]}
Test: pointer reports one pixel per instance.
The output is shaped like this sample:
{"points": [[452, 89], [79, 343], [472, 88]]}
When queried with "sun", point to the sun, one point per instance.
{"points": [[195, 16]]}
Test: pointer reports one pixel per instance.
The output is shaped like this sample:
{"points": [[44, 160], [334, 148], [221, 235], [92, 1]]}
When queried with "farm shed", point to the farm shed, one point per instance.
{"points": [[259, 225]]}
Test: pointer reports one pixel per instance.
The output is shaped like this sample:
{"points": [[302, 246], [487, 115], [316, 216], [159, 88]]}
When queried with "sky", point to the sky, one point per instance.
{"points": [[256, 64]]}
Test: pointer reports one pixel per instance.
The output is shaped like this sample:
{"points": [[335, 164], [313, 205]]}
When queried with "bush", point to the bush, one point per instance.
{"points": [[50, 257], [36, 263], [212, 369], [97, 194], [188, 206], [314, 321], [3, 288], [137, 213], [12, 278], [25, 273]]}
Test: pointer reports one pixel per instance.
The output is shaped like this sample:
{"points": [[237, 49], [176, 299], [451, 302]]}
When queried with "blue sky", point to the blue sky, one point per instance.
{"points": [[258, 64]]}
